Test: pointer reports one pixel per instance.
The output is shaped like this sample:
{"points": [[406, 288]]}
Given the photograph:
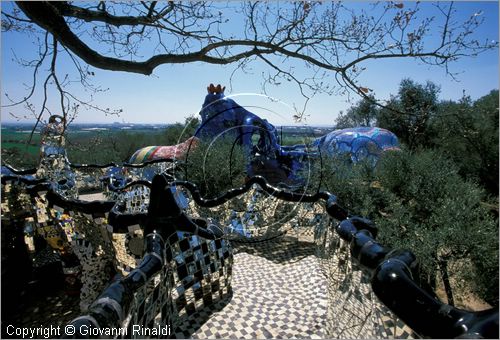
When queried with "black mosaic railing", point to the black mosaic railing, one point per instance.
{"points": [[393, 273], [186, 266]]}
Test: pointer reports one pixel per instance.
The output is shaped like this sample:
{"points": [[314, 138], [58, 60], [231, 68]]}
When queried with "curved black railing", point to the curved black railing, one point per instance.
{"points": [[393, 271], [20, 172], [163, 219], [24, 180], [394, 283], [113, 184], [101, 166], [128, 165]]}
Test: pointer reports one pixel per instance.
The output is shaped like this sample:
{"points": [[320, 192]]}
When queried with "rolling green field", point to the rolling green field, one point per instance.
{"points": [[16, 151], [32, 149], [98, 144]]}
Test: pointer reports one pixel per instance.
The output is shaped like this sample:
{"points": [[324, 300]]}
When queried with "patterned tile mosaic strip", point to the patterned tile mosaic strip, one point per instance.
{"points": [[152, 304], [197, 277], [201, 269], [353, 309], [135, 199], [91, 244]]}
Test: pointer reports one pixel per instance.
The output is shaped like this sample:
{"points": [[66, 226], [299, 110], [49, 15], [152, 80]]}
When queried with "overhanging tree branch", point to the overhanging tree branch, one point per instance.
{"points": [[327, 39], [66, 9], [47, 16]]}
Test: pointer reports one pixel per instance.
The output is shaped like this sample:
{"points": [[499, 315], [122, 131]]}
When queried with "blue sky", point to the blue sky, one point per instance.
{"points": [[174, 92]]}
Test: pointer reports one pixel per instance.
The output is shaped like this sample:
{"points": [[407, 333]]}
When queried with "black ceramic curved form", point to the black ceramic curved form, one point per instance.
{"points": [[21, 172], [164, 214], [22, 179], [116, 176], [212, 202], [394, 282], [134, 183], [163, 219], [108, 310], [393, 271], [10, 170], [86, 207], [262, 182], [126, 164]]}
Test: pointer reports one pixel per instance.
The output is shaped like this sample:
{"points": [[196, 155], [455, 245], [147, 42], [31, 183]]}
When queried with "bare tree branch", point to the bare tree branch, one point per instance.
{"points": [[326, 39], [66, 9]]}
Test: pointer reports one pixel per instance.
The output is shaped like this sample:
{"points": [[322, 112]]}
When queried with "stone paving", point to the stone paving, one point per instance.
{"points": [[278, 292], [281, 291], [40, 306]]}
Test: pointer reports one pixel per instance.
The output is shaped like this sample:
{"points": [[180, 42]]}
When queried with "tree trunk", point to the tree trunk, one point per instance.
{"points": [[443, 266]]}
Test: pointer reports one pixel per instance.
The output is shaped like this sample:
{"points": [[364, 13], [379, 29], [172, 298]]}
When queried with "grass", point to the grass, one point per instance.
{"points": [[21, 147], [293, 140], [109, 145]]}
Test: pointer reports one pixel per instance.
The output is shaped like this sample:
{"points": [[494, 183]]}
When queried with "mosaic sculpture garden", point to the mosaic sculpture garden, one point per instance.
{"points": [[151, 256]]}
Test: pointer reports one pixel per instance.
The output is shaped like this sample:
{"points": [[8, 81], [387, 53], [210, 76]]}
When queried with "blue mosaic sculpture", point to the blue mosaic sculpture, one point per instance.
{"points": [[223, 117], [359, 142], [221, 114], [259, 138]]}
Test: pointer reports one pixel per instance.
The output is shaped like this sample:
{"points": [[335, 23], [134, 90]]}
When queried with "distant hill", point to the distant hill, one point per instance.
{"points": [[24, 126]]}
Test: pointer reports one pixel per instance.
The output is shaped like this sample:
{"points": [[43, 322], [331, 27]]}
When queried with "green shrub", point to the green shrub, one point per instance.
{"points": [[467, 132], [421, 203], [351, 183], [439, 216], [19, 158], [216, 167]]}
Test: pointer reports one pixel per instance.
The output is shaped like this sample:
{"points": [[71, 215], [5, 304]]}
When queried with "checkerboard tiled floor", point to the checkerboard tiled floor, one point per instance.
{"points": [[278, 292]]}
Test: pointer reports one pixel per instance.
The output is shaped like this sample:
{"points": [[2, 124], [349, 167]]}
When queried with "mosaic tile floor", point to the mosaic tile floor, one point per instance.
{"points": [[278, 292]]}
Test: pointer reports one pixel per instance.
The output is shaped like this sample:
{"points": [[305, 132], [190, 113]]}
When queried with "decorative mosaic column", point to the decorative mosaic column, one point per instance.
{"points": [[202, 271], [54, 164], [92, 245]]}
